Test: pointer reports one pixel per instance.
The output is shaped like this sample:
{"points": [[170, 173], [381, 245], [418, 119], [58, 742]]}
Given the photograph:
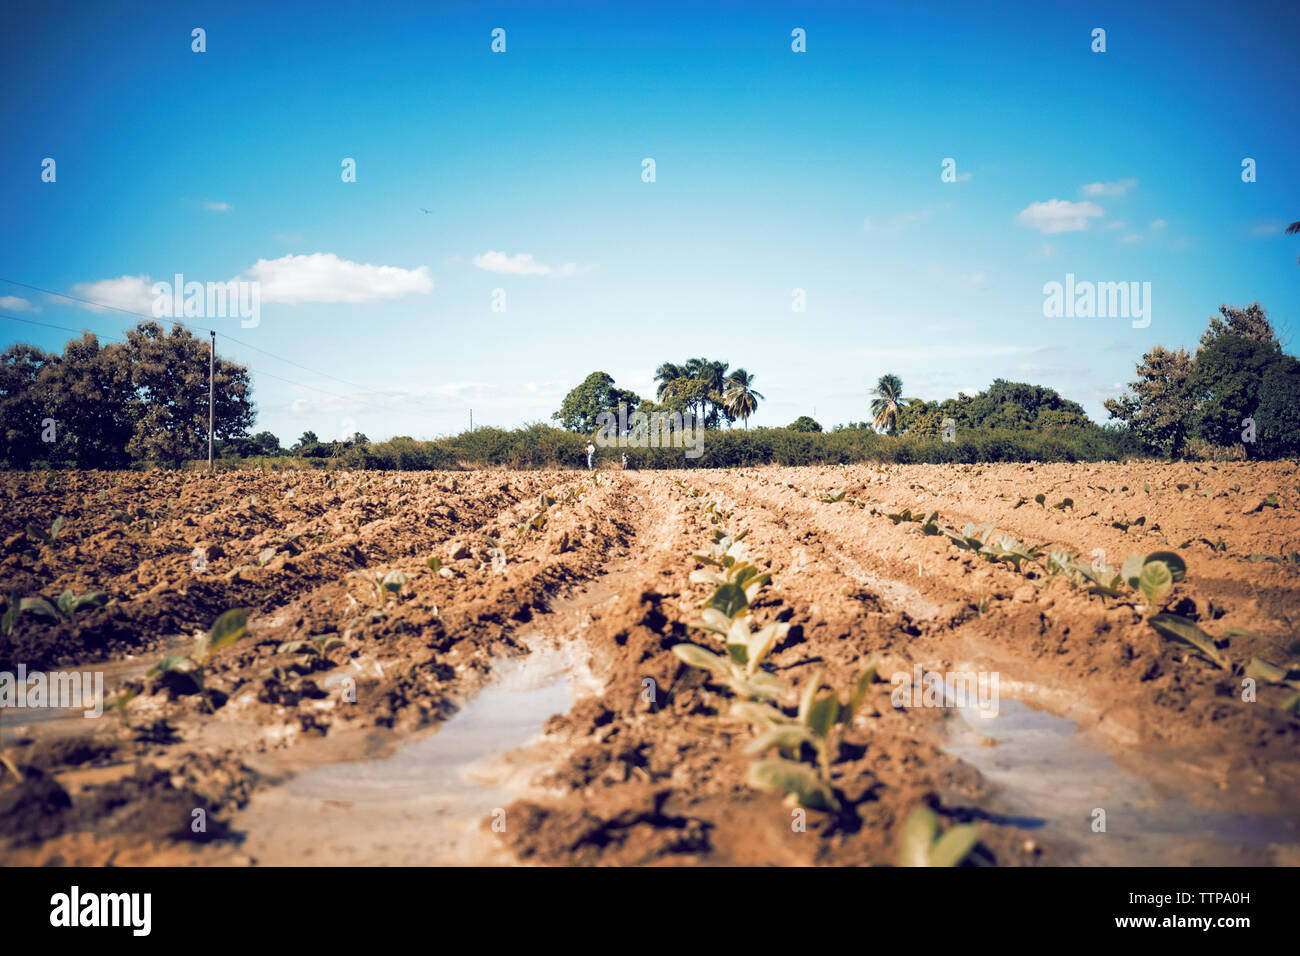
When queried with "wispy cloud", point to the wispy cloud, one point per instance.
{"points": [[217, 206], [324, 277], [524, 264], [125, 292], [1117, 188], [1059, 215], [14, 303]]}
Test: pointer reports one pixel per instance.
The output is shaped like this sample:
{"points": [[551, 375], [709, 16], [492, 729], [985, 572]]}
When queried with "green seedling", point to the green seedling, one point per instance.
{"points": [[819, 723], [45, 537], [316, 646], [922, 845], [1063, 504], [738, 671], [64, 609], [226, 630], [434, 564], [831, 497], [1155, 575], [380, 587]]}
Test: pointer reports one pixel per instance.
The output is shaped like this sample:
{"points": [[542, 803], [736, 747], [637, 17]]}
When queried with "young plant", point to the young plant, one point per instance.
{"points": [[45, 537], [316, 646], [819, 725], [922, 845], [64, 609], [1154, 575], [226, 630], [380, 587]]}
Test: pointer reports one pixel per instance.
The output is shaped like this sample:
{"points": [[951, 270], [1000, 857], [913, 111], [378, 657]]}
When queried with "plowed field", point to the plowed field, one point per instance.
{"points": [[540, 643]]}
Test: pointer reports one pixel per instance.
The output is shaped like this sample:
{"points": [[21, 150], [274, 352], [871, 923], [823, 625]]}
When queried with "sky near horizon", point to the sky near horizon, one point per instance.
{"points": [[774, 170]]}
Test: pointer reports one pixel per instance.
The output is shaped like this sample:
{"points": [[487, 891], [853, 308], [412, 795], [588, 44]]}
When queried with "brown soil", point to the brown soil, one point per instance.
{"points": [[632, 778]]}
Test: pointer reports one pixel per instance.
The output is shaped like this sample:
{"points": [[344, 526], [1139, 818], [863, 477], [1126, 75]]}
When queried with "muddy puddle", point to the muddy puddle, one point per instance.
{"points": [[426, 803], [100, 682], [1055, 779]]}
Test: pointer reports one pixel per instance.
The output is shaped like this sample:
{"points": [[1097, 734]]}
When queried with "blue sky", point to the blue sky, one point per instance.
{"points": [[775, 171]]}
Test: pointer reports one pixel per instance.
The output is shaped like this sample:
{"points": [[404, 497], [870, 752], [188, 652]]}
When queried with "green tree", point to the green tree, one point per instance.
{"points": [[91, 392], [170, 375], [595, 395], [1160, 404], [1291, 230], [1225, 382], [1278, 419], [888, 403], [22, 409], [804, 424], [740, 396]]}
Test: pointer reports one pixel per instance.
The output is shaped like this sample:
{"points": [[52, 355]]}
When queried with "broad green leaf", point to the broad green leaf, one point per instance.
{"points": [[56, 527], [291, 647], [739, 654], [729, 600], [865, 680], [951, 848], [1181, 629], [787, 738], [37, 533], [788, 777], [823, 713], [40, 607], [228, 628], [760, 715], [697, 656], [1177, 566], [1263, 670], [65, 602], [918, 833], [1156, 581], [806, 698]]}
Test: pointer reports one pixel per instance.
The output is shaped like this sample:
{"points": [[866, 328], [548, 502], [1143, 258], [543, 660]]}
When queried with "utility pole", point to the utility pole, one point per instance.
{"points": [[212, 364], [471, 419]]}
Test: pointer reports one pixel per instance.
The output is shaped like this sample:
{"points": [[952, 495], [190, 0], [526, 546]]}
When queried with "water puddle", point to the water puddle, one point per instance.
{"points": [[43, 722], [1054, 779], [426, 803]]}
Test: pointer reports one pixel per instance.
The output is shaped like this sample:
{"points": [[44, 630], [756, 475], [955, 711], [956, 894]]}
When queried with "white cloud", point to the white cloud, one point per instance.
{"points": [[324, 277], [217, 206], [1058, 215], [319, 277], [15, 303], [130, 293], [1267, 229], [1117, 188], [978, 279], [1117, 224], [1158, 224], [1131, 238], [523, 264]]}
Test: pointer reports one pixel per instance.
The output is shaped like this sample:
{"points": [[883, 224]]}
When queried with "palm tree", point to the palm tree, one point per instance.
{"points": [[740, 399], [1292, 229], [888, 403], [665, 375]]}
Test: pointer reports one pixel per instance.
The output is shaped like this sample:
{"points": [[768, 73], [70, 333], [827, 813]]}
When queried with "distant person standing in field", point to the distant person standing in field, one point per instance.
{"points": [[591, 450]]}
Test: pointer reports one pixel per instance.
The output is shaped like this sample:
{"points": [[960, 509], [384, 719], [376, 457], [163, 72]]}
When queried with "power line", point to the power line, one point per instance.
{"points": [[196, 329]]}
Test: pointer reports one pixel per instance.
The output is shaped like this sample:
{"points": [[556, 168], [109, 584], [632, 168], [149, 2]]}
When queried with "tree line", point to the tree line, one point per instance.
{"points": [[146, 400]]}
